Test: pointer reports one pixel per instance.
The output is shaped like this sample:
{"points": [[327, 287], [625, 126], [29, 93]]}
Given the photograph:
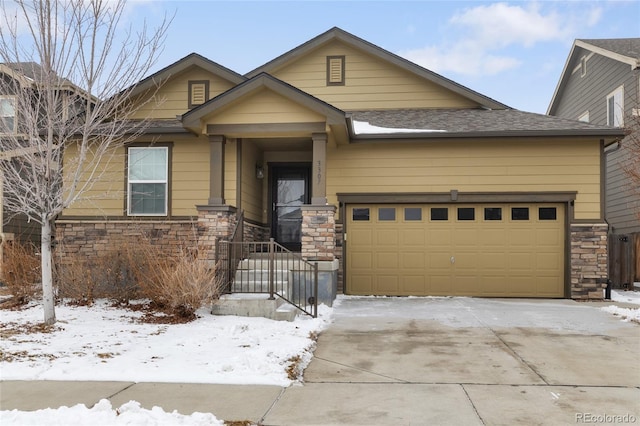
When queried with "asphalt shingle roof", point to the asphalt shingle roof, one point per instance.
{"points": [[623, 46], [479, 122]]}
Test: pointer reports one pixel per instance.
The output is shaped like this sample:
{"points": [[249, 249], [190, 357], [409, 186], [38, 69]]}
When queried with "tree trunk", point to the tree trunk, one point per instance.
{"points": [[48, 300]]}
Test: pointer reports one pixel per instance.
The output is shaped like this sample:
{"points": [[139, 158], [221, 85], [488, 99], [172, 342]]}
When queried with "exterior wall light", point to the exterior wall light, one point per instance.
{"points": [[259, 171]]}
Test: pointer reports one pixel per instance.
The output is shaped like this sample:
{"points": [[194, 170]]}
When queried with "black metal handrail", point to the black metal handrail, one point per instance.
{"points": [[268, 267]]}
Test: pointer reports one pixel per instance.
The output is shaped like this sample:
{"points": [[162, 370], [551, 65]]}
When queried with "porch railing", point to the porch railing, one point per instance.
{"points": [[268, 268]]}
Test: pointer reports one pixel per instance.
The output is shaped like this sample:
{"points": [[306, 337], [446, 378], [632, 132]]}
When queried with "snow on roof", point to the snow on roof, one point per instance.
{"points": [[365, 128]]}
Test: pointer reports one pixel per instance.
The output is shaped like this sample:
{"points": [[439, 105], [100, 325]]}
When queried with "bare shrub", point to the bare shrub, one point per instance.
{"points": [[181, 284], [21, 271], [109, 275], [177, 283]]}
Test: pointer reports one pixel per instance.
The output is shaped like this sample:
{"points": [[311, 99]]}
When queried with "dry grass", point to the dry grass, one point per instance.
{"points": [[21, 272], [176, 284]]}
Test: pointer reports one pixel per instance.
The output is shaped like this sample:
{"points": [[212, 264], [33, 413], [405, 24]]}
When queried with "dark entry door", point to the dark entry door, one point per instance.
{"points": [[290, 190]]}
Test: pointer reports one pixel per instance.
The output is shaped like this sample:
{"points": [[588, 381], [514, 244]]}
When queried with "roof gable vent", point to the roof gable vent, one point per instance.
{"points": [[198, 92], [335, 70]]}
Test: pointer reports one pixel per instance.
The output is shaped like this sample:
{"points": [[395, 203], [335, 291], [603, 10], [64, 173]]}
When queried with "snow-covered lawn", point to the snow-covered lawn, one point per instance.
{"points": [[101, 342]]}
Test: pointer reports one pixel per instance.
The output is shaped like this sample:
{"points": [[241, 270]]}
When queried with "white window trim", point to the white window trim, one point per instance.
{"points": [[618, 91], [15, 115], [131, 181]]}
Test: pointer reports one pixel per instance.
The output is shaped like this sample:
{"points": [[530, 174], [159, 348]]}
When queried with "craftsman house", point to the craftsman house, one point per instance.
{"points": [[600, 84], [393, 179]]}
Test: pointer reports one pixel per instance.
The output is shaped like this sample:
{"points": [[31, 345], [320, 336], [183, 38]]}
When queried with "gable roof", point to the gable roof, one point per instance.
{"points": [[334, 115], [624, 50], [182, 65], [336, 33]]}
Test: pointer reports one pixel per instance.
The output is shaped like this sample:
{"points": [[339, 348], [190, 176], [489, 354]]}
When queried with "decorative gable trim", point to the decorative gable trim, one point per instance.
{"points": [[634, 62]]}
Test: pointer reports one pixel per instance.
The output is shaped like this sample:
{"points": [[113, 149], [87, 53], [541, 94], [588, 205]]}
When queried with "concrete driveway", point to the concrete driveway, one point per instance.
{"points": [[468, 361]]}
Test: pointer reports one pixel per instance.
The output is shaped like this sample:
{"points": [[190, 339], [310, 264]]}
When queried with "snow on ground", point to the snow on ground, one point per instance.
{"points": [[104, 414], [626, 314], [626, 296], [101, 342]]}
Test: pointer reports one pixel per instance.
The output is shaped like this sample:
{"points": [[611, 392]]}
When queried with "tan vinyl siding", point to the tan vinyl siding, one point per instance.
{"points": [[251, 186], [468, 166], [265, 107], [369, 82], [189, 175], [105, 196], [189, 181], [173, 96]]}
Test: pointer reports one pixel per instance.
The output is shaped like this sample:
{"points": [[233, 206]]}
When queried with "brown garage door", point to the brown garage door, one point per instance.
{"points": [[493, 250]]}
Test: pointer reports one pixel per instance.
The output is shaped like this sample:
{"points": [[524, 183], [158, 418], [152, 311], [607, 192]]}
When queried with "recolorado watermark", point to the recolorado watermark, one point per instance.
{"points": [[605, 418]]}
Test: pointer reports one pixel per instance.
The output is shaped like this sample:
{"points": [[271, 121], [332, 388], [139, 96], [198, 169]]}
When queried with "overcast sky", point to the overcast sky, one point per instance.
{"points": [[511, 51]]}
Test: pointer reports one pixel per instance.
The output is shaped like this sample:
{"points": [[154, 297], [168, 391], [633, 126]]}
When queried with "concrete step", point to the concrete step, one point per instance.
{"points": [[254, 305], [260, 286]]}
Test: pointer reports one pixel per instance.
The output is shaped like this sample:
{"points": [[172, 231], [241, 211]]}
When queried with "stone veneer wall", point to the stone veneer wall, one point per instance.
{"points": [[94, 238], [588, 260], [255, 233], [318, 232], [213, 223]]}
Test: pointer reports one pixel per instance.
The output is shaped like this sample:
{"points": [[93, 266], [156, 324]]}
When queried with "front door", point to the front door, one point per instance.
{"points": [[290, 190]]}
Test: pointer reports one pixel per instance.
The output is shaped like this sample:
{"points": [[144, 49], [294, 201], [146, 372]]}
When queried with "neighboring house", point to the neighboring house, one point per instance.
{"points": [[14, 75], [405, 181], [600, 84]]}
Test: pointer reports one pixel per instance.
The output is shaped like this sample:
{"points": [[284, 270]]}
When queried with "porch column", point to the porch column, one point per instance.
{"points": [[319, 170], [216, 172]]}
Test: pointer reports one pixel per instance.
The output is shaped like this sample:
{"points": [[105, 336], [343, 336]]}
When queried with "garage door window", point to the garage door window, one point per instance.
{"points": [[492, 213], [412, 213], [466, 213], [386, 213], [361, 214], [520, 213], [547, 213], [439, 213]]}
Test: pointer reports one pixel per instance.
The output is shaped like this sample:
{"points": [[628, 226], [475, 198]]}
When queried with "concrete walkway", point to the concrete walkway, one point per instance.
{"points": [[410, 361]]}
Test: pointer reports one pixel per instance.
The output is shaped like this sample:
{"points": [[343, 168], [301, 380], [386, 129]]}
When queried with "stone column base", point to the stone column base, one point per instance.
{"points": [[318, 232], [588, 260]]}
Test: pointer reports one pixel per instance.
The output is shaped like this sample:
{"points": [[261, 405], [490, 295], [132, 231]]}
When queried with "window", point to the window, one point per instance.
{"points": [[520, 213], [360, 214], [615, 108], [412, 213], [335, 70], [492, 213], [439, 213], [147, 181], [547, 213], [386, 213], [198, 92], [466, 213], [7, 114], [584, 117]]}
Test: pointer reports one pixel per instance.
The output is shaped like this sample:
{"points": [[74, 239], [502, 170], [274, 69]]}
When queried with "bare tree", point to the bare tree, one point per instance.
{"points": [[69, 68]]}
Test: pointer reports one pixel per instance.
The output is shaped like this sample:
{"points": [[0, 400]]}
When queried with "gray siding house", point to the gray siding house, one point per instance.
{"points": [[600, 84]]}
